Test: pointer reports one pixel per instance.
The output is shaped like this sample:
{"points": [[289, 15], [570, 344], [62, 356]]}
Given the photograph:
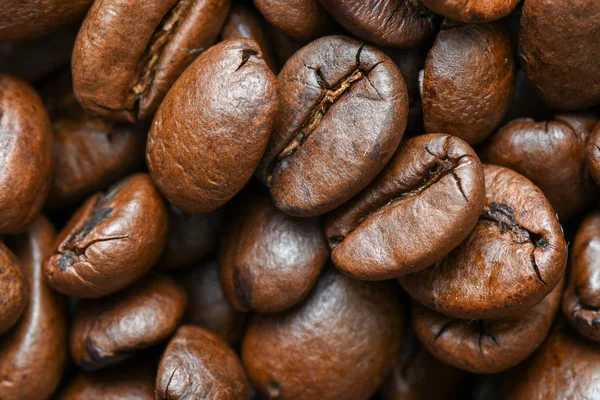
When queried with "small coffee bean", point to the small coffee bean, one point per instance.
{"points": [[513, 258], [109, 330], [210, 132], [423, 205], [111, 241], [301, 20], [198, 364]]}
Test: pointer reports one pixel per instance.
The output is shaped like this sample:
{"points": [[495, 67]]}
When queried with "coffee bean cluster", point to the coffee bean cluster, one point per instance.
{"points": [[299, 199]]}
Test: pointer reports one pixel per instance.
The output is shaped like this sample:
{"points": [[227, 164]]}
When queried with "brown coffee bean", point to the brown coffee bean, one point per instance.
{"points": [[558, 45], [32, 19], [131, 381], [338, 344], [301, 20], [397, 23], [245, 23], [25, 155], [513, 258], [129, 53], [109, 330], [211, 130], [90, 153], [111, 241], [472, 11], [342, 113], [422, 206], [33, 355], [13, 289], [270, 261], [468, 80], [593, 154], [565, 367], [553, 155], [207, 304], [581, 303], [190, 238], [199, 365], [486, 345]]}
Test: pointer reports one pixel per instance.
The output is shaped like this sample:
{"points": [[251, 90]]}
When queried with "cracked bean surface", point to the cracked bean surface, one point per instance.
{"points": [[511, 260]]}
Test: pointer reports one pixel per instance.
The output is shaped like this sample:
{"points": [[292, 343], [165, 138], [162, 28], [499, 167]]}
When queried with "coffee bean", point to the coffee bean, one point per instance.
{"points": [[111, 241], [422, 206], [109, 330], [513, 258], [25, 154], [301, 20], [270, 261], [342, 112], [202, 153], [129, 53], [13, 289], [477, 11], [199, 365], [593, 154]]}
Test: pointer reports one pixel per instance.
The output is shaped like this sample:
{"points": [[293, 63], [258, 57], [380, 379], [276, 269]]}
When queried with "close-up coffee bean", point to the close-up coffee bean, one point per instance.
{"points": [[301, 199]]}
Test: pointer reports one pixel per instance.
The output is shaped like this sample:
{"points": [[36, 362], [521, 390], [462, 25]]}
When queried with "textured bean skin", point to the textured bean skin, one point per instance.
{"points": [[553, 155], [472, 11], [513, 258], [468, 80], [200, 155], [593, 154], [13, 289], [352, 331], [197, 364], [559, 38], [37, 347], [109, 330], [581, 302], [25, 154], [396, 23], [486, 346], [269, 260], [129, 53], [111, 240], [301, 20], [422, 206], [32, 19], [342, 113]]}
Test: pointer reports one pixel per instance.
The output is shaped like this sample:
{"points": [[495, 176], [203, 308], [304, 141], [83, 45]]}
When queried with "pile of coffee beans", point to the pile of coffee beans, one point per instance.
{"points": [[299, 199]]}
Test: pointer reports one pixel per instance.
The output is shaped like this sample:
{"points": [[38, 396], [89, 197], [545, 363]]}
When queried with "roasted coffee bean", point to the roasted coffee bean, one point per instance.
{"points": [[197, 364], [513, 258], [207, 304], [13, 289], [109, 330], [269, 260], [129, 53], [565, 367], [553, 155], [212, 129], [338, 344], [412, 377], [342, 113], [581, 303], [244, 23], [111, 241], [593, 154], [25, 154], [472, 11], [397, 23], [90, 153], [131, 381], [33, 355], [422, 206], [558, 45], [468, 80], [301, 20], [486, 345], [190, 238], [32, 19]]}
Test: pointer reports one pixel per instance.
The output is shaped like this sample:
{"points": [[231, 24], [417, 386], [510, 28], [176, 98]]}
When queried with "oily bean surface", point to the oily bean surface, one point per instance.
{"points": [[14, 289], [472, 11]]}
